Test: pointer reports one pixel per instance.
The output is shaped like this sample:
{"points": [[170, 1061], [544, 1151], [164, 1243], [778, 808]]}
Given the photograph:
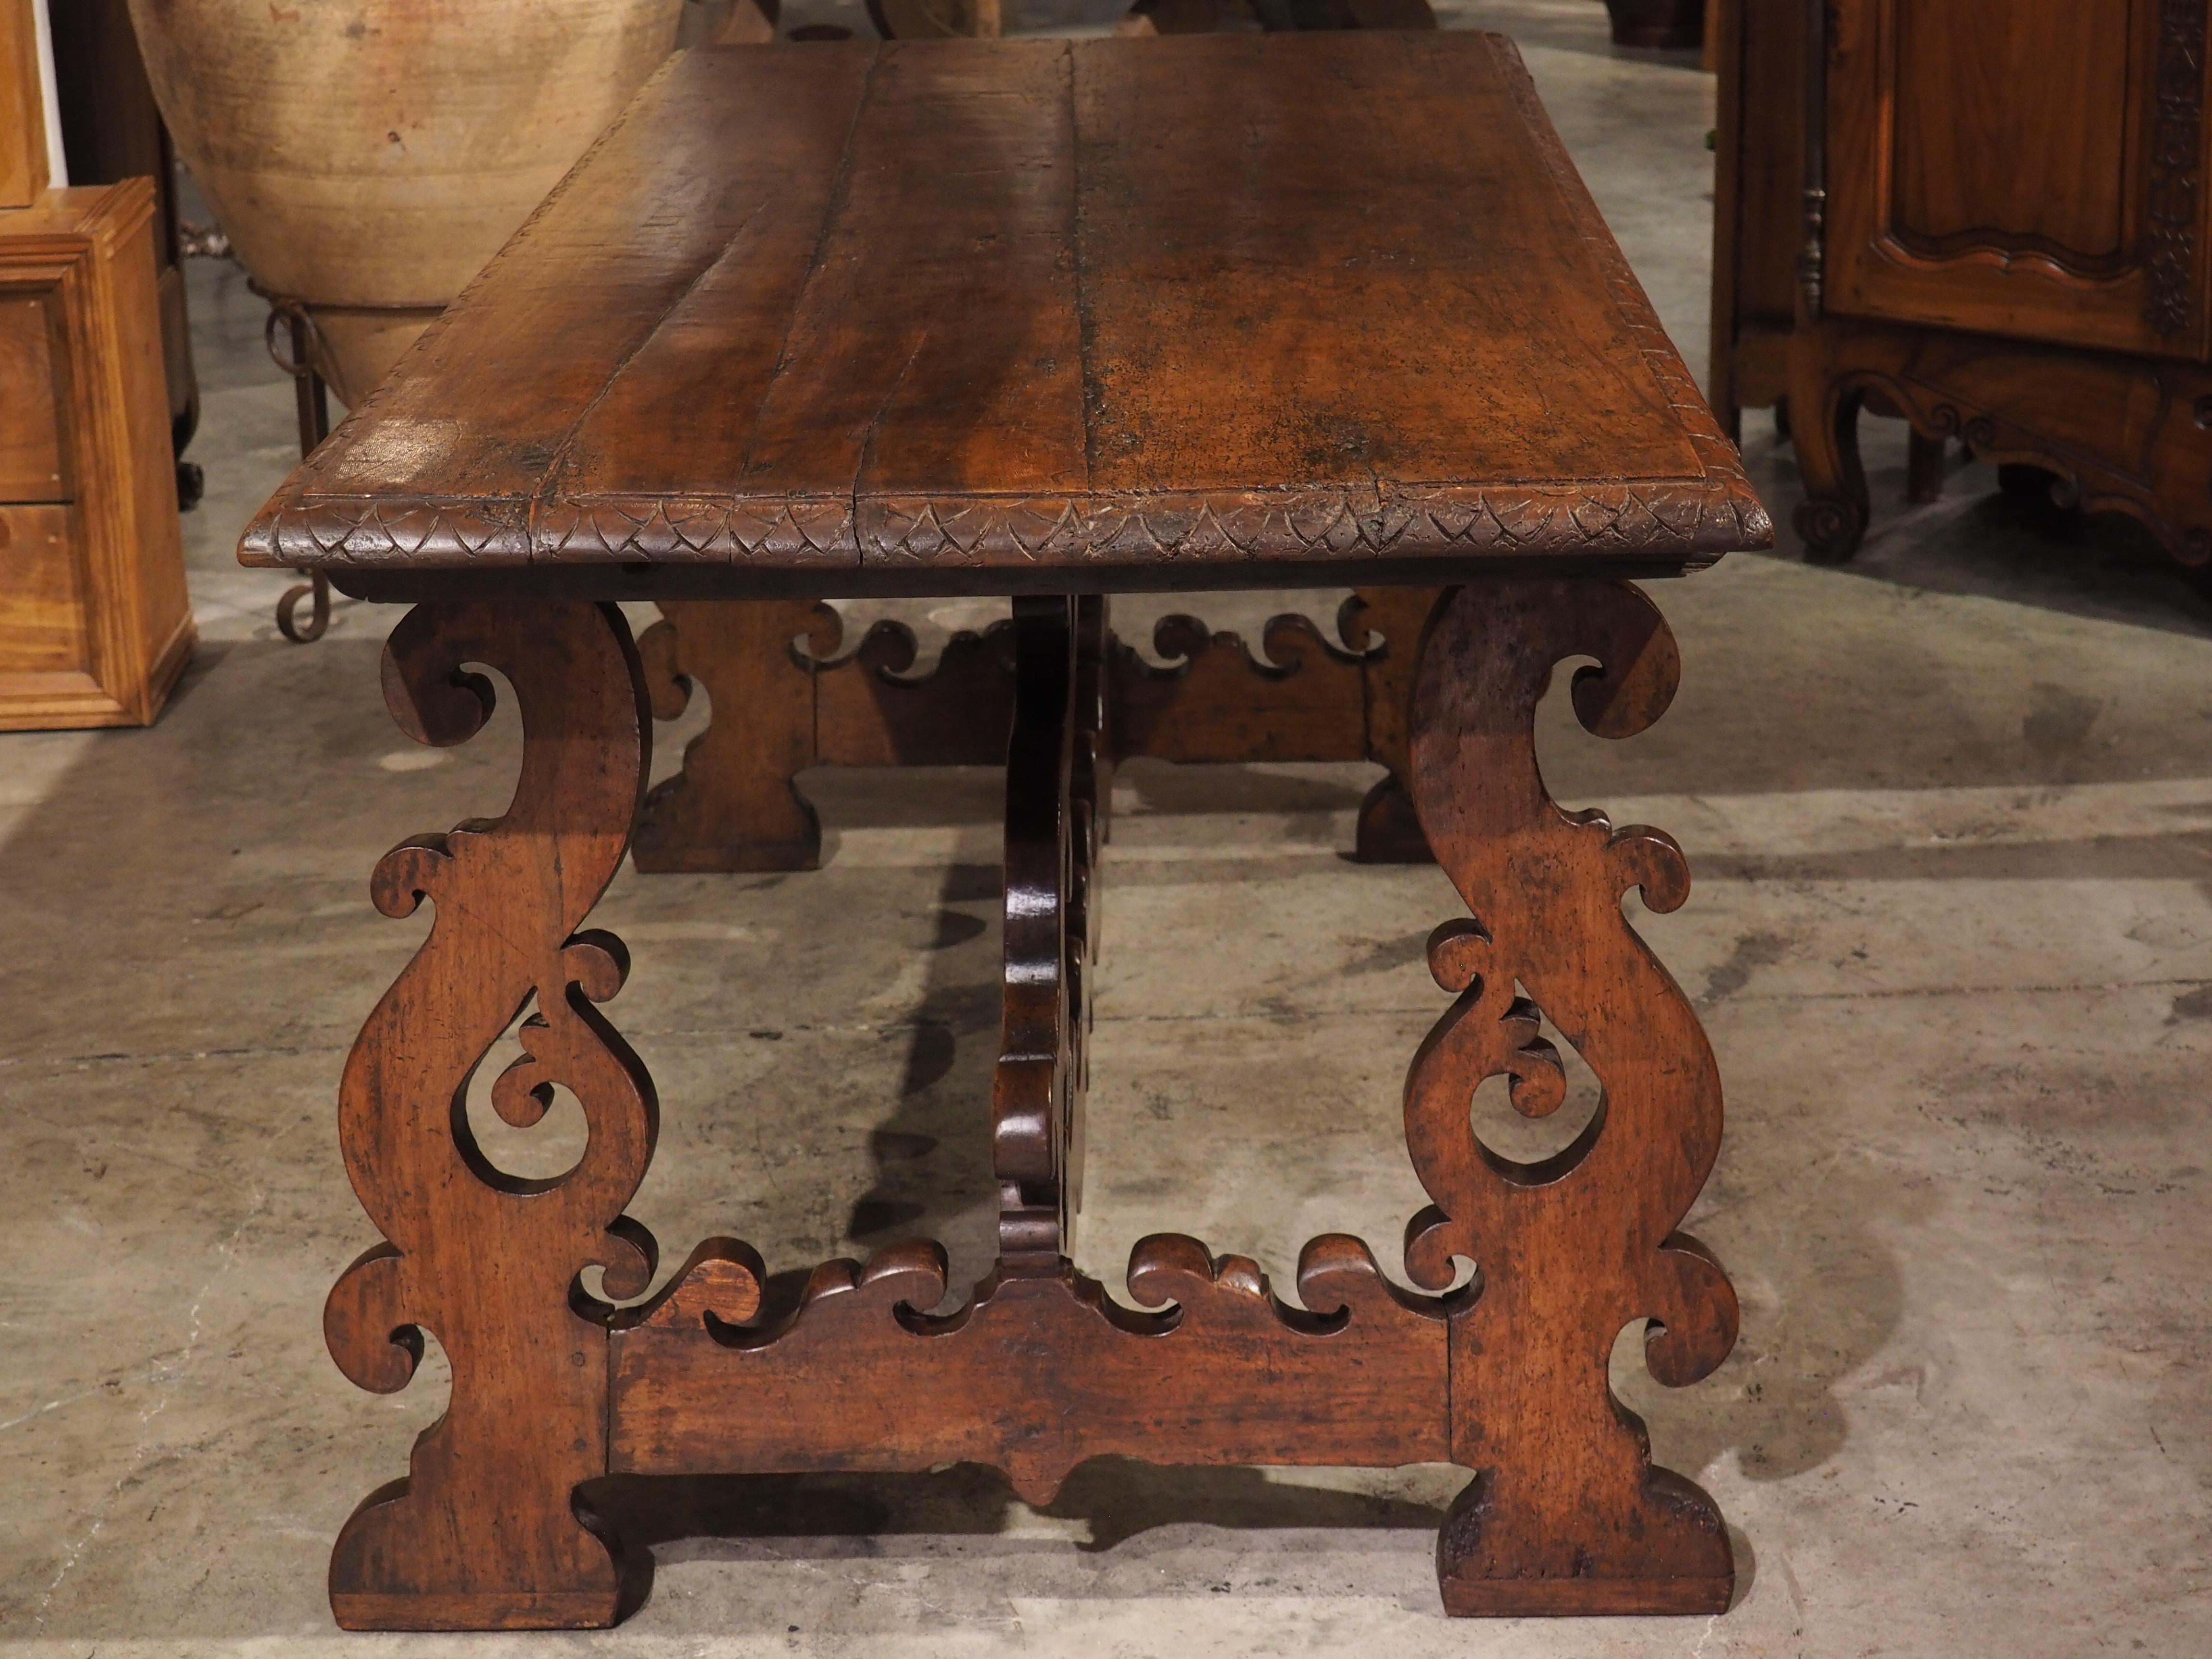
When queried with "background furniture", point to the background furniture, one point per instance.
{"points": [[24, 170], [1987, 216], [94, 622], [1675, 25], [1151, 383], [112, 130], [924, 20]]}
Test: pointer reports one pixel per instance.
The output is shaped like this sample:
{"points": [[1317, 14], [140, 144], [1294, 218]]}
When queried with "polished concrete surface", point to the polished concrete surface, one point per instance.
{"points": [[1950, 814]]}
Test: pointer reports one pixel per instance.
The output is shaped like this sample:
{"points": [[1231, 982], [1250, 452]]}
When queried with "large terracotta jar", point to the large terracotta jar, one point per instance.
{"points": [[368, 156]]}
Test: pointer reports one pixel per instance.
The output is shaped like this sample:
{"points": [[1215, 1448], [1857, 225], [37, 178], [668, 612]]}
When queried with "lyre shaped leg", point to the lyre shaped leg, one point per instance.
{"points": [[1566, 1514], [483, 1533], [1054, 793]]}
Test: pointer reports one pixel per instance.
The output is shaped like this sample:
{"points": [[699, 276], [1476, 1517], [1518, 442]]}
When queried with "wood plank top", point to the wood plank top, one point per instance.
{"points": [[1045, 310]]}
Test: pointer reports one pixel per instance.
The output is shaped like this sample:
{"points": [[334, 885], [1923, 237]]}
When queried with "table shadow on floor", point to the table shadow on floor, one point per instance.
{"points": [[693, 1517]]}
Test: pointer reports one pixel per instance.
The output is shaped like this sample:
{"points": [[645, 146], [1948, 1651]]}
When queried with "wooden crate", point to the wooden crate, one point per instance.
{"points": [[95, 625]]}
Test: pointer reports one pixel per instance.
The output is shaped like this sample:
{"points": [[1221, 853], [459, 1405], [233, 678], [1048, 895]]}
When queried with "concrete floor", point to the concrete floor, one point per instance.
{"points": [[1950, 814]]}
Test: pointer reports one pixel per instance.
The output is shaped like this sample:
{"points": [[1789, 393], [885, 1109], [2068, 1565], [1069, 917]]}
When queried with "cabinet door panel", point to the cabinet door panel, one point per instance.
{"points": [[2020, 166]]}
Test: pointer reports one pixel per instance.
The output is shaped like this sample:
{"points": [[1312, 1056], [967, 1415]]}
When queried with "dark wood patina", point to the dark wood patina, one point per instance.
{"points": [[1204, 311]]}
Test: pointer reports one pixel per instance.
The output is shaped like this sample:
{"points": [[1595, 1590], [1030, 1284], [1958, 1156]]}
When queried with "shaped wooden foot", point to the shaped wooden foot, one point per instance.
{"points": [[483, 1533], [1566, 1514]]}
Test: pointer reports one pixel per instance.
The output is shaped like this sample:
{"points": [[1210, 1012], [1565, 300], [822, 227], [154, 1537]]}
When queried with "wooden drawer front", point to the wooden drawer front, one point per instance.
{"points": [[42, 620], [31, 462]]}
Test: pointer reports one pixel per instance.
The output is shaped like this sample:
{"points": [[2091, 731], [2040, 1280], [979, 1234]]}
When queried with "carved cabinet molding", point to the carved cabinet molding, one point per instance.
{"points": [[2025, 168], [1985, 216]]}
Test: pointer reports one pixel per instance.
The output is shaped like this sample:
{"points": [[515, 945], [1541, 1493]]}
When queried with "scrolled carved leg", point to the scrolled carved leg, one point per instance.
{"points": [[1566, 1514], [483, 1533], [734, 807]]}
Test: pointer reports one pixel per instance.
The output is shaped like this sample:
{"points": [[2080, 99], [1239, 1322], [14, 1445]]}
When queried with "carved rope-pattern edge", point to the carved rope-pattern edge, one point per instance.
{"points": [[1660, 518], [1653, 519], [1724, 465]]}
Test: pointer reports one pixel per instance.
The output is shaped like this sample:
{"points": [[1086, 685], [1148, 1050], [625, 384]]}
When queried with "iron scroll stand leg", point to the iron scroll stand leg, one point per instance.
{"points": [[313, 395]]}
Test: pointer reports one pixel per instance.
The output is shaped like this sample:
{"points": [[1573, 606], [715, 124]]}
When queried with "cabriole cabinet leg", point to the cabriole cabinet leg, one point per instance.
{"points": [[1825, 409], [1566, 1514], [484, 1533]]}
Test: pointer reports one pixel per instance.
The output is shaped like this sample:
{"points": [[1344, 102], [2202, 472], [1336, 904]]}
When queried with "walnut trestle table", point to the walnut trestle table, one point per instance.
{"points": [[1203, 311]]}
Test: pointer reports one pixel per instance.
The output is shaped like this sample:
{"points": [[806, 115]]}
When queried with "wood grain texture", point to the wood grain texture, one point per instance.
{"points": [[1304, 698], [2015, 254], [23, 169], [1038, 1081], [736, 806], [1035, 1374], [33, 447], [1758, 205], [42, 607], [112, 130], [1387, 625], [2027, 167], [1206, 299], [483, 1533], [1566, 1514]]}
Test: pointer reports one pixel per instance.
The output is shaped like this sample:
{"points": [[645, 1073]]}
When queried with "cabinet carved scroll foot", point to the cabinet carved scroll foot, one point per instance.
{"points": [[484, 1533], [1566, 1514], [2121, 433], [1831, 520]]}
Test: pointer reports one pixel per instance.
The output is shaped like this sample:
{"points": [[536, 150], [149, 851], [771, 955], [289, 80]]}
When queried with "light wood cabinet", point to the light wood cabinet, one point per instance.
{"points": [[94, 622], [2006, 244]]}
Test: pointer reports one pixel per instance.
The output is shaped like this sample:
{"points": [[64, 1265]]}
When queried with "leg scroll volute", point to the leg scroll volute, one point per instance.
{"points": [[1566, 1514], [483, 1533]]}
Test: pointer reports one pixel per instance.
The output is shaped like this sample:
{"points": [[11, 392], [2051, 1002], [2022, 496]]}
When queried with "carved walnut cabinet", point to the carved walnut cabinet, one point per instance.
{"points": [[1987, 216]]}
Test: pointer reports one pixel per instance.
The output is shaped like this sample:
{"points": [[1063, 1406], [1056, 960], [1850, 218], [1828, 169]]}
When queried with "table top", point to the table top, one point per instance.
{"points": [[980, 316]]}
